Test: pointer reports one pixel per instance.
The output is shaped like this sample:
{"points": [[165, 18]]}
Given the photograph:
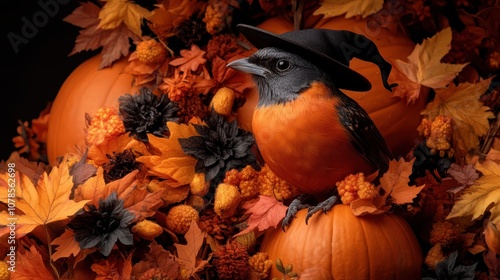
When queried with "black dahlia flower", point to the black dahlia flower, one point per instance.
{"points": [[221, 146], [104, 226], [146, 113]]}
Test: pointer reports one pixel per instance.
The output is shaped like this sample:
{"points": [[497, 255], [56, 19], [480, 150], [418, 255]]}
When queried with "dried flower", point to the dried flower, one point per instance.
{"points": [[155, 273], [215, 226], [215, 16], [119, 165], [272, 185], [354, 187], [192, 31], [231, 261], [146, 113], [104, 124], [224, 46], [179, 218], [444, 232], [151, 52], [177, 86], [102, 226], [147, 229], [4, 271], [221, 146], [247, 181], [226, 201], [260, 264]]}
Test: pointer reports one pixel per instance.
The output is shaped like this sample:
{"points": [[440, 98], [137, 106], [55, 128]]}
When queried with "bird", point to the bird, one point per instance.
{"points": [[307, 130]]}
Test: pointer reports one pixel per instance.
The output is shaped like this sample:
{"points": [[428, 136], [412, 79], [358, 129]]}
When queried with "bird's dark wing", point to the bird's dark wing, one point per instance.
{"points": [[365, 136]]}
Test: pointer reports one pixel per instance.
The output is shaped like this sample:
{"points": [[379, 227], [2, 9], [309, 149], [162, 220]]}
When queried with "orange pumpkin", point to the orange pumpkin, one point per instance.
{"points": [[84, 91], [396, 120], [347, 247]]}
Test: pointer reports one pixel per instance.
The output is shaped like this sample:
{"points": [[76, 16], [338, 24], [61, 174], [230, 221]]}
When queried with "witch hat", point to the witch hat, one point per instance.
{"points": [[330, 50]]}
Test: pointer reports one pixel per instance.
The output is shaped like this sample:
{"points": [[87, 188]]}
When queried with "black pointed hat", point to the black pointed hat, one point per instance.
{"points": [[330, 50]]}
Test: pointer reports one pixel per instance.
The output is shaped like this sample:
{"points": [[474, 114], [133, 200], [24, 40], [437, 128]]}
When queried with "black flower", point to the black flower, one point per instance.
{"points": [[104, 226], [425, 160], [221, 146], [146, 113]]}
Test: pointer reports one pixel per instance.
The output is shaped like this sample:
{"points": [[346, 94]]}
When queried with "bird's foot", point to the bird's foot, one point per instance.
{"points": [[324, 206], [295, 206]]}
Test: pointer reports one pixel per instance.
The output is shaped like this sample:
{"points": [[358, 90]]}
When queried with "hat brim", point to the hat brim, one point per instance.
{"points": [[342, 76]]}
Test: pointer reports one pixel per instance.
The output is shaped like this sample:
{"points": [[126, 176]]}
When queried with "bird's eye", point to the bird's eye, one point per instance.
{"points": [[282, 65]]}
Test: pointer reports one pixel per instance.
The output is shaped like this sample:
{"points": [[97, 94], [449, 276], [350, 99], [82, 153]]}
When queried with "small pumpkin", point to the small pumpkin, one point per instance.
{"points": [[349, 247], [396, 120], [84, 91]]}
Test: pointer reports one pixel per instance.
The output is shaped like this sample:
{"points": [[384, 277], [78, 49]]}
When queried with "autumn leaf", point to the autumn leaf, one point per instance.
{"points": [[462, 104], [113, 267], [42, 204], [97, 153], [465, 175], [169, 160], [30, 265], [482, 195], [424, 67], [267, 212], [115, 42], [67, 245], [333, 8], [116, 12], [187, 254], [395, 181], [228, 77], [190, 59], [157, 257]]}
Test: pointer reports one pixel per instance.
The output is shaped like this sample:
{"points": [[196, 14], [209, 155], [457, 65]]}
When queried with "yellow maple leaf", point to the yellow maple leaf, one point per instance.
{"points": [[42, 204], [462, 104], [333, 8], [481, 196], [424, 67], [169, 160], [115, 12]]}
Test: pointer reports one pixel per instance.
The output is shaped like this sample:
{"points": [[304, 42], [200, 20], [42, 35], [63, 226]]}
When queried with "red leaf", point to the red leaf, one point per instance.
{"points": [[265, 213]]}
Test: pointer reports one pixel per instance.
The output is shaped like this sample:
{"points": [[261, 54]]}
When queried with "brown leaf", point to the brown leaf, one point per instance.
{"points": [[187, 254], [465, 175], [81, 170], [67, 245], [115, 42], [30, 265], [118, 12], [157, 257], [492, 261], [265, 213]]}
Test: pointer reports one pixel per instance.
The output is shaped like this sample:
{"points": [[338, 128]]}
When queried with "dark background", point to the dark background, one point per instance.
{"points": [[32, 77]]}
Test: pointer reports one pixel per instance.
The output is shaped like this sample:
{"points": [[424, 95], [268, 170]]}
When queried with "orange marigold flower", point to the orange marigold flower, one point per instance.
{"points": [[215, 16], [104, 125], [261, 265], [231, 261], [440, 134], [354, 187], [177, 86], [151, 52], [272, 185]]}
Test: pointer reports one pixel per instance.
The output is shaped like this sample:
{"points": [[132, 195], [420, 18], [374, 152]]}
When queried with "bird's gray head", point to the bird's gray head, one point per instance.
{"points": [[280, 76]]}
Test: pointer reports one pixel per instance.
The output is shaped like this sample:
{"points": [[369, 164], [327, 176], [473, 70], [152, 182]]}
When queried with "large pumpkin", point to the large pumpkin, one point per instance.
{"points": [[84, 91], [343, 246], [396, 120]]}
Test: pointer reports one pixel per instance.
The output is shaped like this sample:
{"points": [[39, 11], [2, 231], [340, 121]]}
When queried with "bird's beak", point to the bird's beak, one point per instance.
{"points": [[246, 66]]}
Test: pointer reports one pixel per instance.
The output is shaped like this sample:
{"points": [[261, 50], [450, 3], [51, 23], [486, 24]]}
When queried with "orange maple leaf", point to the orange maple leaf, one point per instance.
{"points": [[114, 267], [116, 12], [264, 213], [395, 181], [118, 144], [168, 160], [228, 77], [30, 265], [190, 60], [67, 245], [187, 254], [42, 204]]}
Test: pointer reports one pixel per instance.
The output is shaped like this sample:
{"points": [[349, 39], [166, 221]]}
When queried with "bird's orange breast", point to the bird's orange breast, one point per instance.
{"points": [[303, 142]]}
